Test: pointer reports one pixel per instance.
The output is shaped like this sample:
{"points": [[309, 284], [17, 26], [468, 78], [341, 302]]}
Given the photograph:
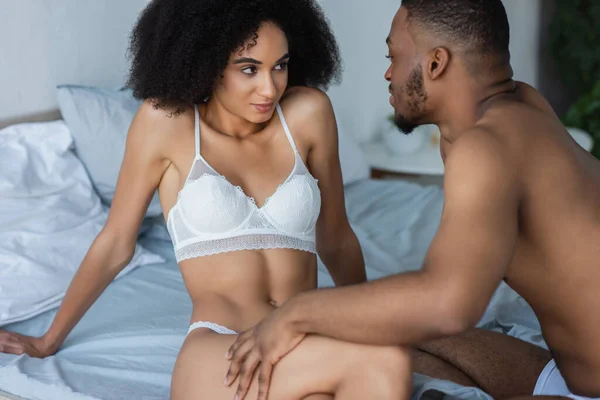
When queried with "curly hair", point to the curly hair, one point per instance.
{"points": [[179, 48]]}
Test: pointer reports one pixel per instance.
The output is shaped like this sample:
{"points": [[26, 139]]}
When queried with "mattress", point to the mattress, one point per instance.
{"points": [[126, 345]]}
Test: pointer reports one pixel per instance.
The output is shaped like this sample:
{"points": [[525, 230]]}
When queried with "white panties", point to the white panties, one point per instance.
{"points": [[213, 327], [551, 383]]}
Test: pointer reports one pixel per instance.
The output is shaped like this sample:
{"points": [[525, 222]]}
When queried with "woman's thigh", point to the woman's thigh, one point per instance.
{"points": [[317, 366]]}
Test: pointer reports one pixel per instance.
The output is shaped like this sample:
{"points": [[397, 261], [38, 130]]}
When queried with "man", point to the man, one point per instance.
{"points": [[522, 203]]}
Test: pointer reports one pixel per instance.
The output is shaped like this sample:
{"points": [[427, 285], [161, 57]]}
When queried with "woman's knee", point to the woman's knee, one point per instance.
{"points": [[320, 365]]}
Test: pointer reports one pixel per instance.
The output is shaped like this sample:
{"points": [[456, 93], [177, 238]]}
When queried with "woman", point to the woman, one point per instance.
{"points": [[235, 135]]}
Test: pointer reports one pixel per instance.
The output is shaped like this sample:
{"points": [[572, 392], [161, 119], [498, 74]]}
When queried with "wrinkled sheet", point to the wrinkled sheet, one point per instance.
{"points": [[49, 217], [126, 345]]}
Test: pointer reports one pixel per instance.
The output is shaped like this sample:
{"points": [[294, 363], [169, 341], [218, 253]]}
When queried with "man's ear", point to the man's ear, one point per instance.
{"points": [[439, 59]]}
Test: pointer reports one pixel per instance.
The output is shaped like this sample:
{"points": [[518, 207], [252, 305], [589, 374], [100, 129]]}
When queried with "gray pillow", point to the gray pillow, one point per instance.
{"points": [[99, 120]]}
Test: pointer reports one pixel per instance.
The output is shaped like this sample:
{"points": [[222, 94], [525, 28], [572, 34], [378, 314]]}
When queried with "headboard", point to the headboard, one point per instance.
{"points": [[51, 42]]}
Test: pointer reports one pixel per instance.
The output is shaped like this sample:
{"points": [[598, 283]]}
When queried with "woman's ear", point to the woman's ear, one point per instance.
{"points": [[438, 62]]}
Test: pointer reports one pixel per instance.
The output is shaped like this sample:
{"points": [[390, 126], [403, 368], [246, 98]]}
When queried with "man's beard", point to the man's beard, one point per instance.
{"points": [[405, 125], [414, 92]]}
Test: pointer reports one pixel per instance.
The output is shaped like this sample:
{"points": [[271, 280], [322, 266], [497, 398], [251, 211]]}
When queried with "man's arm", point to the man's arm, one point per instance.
{"points": [[463, 267]]}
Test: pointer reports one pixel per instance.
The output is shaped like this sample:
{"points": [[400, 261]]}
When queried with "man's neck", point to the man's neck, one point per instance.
{"points": [[468, 104]]}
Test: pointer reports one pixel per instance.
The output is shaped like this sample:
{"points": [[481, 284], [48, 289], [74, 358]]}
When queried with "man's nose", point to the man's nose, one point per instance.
{"points": [[388, 74]]}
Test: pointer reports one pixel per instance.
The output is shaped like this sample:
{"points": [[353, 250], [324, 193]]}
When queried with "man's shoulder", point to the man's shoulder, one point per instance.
{"points": [[482, 140], [527, 107], [478, 165], [534, 100], [481, 150]]}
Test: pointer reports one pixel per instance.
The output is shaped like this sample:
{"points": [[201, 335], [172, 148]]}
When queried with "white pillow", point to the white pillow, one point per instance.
{"points": [[99, 120], [49, 216], [352, 159]]}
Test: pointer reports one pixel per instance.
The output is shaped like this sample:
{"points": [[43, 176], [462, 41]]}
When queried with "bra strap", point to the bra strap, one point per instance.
{"points": [[286, 129], [197, 129]]}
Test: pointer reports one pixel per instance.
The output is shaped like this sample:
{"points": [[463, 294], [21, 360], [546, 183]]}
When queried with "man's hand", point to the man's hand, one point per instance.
{"points": [[265, 344], [14, 343]]}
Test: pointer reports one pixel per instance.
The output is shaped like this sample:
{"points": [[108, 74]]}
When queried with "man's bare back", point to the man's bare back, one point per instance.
{"points": [[556, 259], [556, 266]]}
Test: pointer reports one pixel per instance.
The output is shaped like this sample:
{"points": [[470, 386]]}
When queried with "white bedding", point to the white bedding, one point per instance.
{"points": [[49, 216], [8, 396], [126, 345]]}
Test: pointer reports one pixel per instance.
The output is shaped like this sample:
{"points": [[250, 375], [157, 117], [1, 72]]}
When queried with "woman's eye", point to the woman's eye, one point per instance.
{"points": [[281, 66], [249, 70], [388, 56]]}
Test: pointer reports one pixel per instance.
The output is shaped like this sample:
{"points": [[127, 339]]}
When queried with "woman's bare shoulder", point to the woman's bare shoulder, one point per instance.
{"points": [[159, 128], [165, 121], [309, 112], [303, 99]]}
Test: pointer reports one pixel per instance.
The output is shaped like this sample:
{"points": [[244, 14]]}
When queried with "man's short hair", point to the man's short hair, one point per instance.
{"points": [[475, 25]]}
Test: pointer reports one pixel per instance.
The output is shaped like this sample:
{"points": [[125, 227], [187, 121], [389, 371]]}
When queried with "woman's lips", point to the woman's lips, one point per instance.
{"points": [[264, 107]]}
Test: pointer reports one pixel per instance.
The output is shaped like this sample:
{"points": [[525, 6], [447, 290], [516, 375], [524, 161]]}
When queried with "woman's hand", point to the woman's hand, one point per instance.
{"points": [[14, 343], [265, 344]]}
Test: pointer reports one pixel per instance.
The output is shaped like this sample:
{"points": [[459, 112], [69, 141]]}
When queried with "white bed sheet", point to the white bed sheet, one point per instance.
{"points": [[125, 347], [49, 216], [8, 396]]}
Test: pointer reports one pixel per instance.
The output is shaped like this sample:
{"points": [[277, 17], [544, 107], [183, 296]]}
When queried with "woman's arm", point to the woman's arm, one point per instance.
{"points": [[143, 166], [337, 243]]}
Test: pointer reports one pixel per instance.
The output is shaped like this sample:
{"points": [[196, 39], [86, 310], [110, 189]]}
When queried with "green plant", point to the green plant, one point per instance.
{"points": [[574, 38], [585, 114]]}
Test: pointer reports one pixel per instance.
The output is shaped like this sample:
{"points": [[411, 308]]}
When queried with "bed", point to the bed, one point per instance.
{"points": [[126, 345]]}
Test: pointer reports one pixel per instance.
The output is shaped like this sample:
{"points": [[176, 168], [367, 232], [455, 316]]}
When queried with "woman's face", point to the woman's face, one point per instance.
{"points": [[256, 76]]}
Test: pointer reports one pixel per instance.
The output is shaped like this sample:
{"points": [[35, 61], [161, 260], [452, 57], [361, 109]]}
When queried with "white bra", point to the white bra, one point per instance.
{"points": [[213, 216]]}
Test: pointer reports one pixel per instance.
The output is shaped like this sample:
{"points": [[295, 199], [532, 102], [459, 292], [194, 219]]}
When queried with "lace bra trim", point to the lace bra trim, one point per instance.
{"points": [[251, 242]]}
